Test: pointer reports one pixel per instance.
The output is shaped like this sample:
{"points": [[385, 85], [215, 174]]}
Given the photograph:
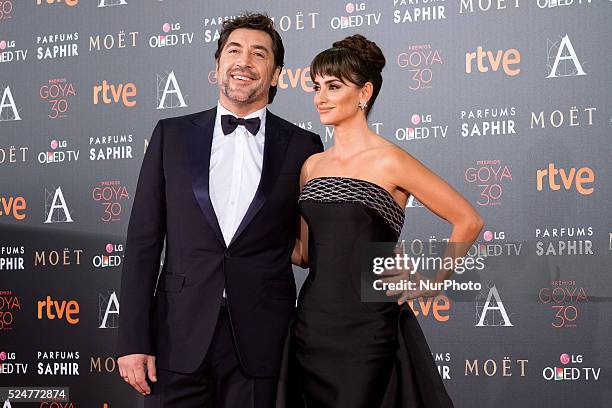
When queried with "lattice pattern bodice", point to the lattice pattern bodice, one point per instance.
{"points": [[345, 189]]}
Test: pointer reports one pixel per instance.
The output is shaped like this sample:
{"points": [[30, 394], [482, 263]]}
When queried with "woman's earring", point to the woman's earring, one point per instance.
{"points": [[362, 105]]}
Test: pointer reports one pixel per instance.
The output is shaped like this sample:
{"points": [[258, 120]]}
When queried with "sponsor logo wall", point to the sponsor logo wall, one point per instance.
{"points": [[510, 101]]}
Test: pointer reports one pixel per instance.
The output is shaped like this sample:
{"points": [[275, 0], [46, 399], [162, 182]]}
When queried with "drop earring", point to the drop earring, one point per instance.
{"points": [[362, 105]]}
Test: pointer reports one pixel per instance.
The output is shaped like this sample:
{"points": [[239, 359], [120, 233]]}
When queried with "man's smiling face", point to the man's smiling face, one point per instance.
{"points": [[245, 69]]}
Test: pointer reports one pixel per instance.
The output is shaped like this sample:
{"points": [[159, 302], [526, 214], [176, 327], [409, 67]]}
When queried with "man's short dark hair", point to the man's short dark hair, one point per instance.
{"points": [[254, 21]]}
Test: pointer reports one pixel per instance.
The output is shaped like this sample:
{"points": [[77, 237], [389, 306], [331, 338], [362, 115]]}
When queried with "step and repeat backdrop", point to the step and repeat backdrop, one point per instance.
{"points": [[508, 100]]}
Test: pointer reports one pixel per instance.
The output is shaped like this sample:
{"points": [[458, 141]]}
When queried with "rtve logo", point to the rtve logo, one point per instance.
{"points": [[115, 94], [294, 78], [54, 309], [13, 207], [582, 179], [487, 60], [70, 3], [438, 306]]}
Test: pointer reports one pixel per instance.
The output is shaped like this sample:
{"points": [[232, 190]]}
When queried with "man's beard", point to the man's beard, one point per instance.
{"points": [[251, 97]]}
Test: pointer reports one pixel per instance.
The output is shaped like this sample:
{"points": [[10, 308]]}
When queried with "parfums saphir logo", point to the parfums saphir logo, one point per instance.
{"points": [[56, 46], [417, 11]]}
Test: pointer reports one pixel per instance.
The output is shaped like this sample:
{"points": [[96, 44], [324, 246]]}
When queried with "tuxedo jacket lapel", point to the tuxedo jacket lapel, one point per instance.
{"points": [[199, 145], [275, 146]]}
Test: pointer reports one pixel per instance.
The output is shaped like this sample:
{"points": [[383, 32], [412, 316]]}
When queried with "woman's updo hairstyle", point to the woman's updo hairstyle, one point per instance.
{"points": [[355, 59]]}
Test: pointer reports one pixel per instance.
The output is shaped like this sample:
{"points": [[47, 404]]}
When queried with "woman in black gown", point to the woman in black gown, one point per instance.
{"points": [[342, 352]]}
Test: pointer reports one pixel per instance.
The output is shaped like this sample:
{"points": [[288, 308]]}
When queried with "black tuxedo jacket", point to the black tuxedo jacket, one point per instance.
{"points": [[176, 321]]}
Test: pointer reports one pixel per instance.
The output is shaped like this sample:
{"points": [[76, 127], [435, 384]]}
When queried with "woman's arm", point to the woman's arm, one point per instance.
{"points": [[299, 256], [437, 195]]}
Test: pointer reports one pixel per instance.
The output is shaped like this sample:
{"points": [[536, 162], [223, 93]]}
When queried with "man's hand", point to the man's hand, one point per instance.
{"points": [[132, 369]]}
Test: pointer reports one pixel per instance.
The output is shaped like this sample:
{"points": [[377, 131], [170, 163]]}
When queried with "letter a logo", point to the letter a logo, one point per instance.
{"points": [[57, 202], [176, 97], [573, 68], [499, 306], [112, 308], [9, 103]]}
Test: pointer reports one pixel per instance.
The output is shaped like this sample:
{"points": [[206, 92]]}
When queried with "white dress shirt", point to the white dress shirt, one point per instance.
{"points": [[236, 160]]}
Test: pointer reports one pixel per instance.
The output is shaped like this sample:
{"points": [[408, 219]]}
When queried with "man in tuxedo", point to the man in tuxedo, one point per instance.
{"points": [[221, 187]]}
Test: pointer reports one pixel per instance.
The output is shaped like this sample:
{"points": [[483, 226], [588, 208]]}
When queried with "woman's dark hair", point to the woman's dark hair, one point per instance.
{"points": [[254, 21], [355, 59]]}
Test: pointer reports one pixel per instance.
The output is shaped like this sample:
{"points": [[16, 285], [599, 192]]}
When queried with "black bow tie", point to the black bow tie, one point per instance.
{"points": [[229, 123]]}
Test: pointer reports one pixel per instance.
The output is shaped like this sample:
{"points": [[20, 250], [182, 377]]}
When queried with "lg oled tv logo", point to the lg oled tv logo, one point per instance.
{"points": [[59, 153], [10, 52], [109, 3], [111, 258], [552, 4], [572, 372], [172, 36], [9, 364], [357, 15], [421, 128]]}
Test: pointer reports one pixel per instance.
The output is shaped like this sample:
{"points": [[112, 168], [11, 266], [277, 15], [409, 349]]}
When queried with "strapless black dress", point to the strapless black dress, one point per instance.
{"points": [[342, 352]]}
